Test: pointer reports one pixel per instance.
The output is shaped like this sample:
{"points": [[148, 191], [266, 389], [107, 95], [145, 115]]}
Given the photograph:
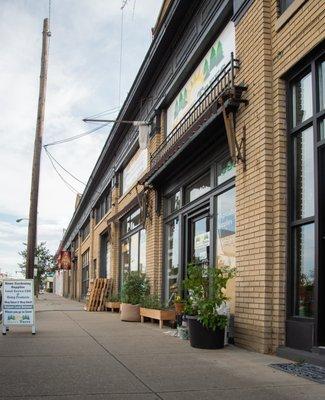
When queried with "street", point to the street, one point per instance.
{"points": [[92, 355]]}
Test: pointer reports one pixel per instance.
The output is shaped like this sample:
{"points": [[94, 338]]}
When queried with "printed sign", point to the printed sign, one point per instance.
{"points": [[215, 59], [65, 260], [202, 240], [134, 169], [18, 306]]}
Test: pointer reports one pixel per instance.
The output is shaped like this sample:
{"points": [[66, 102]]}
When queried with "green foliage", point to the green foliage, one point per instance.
{"points": [[153, 301], [113, 298], [46, 263], [206, 288], [135, 287]]}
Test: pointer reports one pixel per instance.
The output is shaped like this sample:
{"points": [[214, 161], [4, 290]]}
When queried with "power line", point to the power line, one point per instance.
{"points": [[111, 110], [75, 191], [71, 138], [64, 169]]}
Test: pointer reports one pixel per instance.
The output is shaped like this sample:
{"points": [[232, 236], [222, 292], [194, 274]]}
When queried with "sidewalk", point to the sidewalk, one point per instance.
{"points": [[85, 355]]}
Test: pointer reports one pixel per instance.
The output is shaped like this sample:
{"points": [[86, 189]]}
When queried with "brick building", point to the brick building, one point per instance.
{"points": [[233, 172]]}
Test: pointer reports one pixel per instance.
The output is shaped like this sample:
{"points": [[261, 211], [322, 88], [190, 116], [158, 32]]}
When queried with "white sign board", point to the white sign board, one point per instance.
{"points": [[208, 69], [18, 306], [134, 169]]}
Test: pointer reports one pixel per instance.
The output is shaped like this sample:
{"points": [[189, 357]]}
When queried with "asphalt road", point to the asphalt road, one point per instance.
{"points": [[86, 355]]}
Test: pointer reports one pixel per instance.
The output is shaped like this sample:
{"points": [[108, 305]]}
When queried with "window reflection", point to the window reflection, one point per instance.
{"points": [[322, 130], [198, 188], [226, 229], [302, 100], [225, 171], [143, 251], [304, 174], [174, 202], [321, 85], [305, 265], [172, 259]]}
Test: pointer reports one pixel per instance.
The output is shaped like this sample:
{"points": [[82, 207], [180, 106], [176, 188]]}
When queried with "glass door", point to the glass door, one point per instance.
{"points": [[199, 239]]}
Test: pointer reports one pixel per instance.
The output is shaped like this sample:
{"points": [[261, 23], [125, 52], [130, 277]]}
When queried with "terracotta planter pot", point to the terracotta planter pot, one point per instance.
{"points": [[130, 312], [179, 308]]}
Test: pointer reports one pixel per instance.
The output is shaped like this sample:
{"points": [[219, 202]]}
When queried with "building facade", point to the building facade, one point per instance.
{"points": [[233, 172]]}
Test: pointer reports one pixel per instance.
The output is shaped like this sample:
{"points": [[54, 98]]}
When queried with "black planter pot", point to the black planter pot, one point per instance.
{"points": [[203, 338]]}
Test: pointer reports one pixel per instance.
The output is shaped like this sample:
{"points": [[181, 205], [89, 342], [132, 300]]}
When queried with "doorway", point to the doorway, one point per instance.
{"points": [[103, 255]]}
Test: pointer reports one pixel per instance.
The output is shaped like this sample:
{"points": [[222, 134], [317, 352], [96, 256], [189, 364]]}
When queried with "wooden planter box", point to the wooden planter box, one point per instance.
{"points": [[160, 315], [113, 305]]}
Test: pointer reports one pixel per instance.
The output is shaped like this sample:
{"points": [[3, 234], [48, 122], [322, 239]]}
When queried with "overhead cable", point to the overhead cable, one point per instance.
{"points": [[71, 138]]}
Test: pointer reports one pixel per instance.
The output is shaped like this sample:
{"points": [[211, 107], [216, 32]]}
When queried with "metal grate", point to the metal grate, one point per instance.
{"points": [[304, 370]]}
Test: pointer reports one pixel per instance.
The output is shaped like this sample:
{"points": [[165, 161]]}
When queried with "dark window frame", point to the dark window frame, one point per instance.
{"points": [[127, 236], [85, 270], [186, 210], [311, 65]]}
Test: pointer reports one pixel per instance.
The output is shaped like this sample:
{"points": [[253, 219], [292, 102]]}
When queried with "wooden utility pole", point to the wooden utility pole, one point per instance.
{"points": [[32, 225]]}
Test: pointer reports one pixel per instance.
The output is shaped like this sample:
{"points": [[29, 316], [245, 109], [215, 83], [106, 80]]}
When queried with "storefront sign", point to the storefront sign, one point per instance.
{"points": [[134, 169], [65, 260], [215, 59], [18, 306]]}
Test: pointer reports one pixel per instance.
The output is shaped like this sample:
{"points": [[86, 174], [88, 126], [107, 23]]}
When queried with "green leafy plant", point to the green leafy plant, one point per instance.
{"points": [[113, 298], [135, 287], [153, 301], [206, 294]]}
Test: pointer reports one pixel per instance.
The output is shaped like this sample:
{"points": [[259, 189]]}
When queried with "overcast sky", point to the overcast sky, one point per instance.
{"points": [[82, 80]]}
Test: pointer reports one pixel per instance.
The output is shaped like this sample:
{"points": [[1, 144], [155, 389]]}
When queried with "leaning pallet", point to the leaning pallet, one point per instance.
{"points": [[98, 294]]}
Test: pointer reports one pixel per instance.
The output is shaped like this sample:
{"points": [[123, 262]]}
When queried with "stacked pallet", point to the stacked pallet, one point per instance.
{"points": [[98, 293]]}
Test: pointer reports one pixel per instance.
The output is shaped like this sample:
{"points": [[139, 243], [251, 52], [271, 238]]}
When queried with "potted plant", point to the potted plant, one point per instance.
{"points": [[179, 305], [206, 305], [152, 307], [135, 287], [113, 302]]}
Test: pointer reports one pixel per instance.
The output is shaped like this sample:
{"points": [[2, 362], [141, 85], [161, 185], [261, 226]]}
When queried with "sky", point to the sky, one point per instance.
{"points": [[83, 80]]}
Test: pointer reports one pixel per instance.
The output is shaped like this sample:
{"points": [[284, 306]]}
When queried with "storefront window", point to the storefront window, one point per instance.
{"points": [[143, 251], [225, 171], [226, 229], [305, 267], [85, 273], [304, 174], [174, 202], [172, 257], [198, 188], [321, 85], [302, 100], [322, 130], [133, 244]]}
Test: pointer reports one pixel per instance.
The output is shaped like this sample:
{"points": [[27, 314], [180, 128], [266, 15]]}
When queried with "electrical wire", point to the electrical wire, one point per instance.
{"points": [[71, 138], [61, 166], [75, 191], [112, 110]]}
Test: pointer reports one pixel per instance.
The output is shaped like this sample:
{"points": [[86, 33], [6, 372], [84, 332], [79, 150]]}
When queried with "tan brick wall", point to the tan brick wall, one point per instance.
{"points": [[261, 191]]}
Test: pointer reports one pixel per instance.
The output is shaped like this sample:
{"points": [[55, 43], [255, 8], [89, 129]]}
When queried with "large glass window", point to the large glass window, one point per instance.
{"points": [[321, 85], [103, 205], [302, 101], [226, 229], [306, 132], [304, 173], [304, 253], [85, 230], [84, 273], [174, 202], [284, 4], [172, 257], [225, 171], [133, 244], [198, 188]]}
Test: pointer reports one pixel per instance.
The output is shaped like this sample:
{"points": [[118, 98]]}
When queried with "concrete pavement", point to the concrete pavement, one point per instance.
{"points": [[85, 355]]}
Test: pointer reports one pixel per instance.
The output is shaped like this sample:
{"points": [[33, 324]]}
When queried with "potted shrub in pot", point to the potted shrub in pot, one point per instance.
{"points": [[206, 306], [113, 302], [135, 287]]}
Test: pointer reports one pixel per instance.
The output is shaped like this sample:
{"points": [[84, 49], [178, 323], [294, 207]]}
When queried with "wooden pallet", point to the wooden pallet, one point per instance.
{"points": [[98, 294]]}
